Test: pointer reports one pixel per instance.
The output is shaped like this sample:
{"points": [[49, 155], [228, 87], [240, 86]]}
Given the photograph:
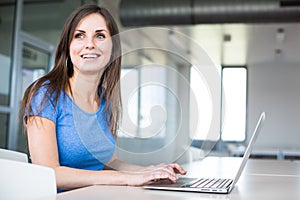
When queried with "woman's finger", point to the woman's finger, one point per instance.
{"points": [[178, 169]]}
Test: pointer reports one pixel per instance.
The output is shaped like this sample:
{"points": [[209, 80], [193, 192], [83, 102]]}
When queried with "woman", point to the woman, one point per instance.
{"points": [[71, 114]]}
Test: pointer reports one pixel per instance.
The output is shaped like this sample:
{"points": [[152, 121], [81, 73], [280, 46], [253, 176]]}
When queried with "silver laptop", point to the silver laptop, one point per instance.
{"points": [[214, 184]]}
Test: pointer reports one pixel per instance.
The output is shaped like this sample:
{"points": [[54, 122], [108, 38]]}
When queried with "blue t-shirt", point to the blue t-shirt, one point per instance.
{"points": [[84, 139]]}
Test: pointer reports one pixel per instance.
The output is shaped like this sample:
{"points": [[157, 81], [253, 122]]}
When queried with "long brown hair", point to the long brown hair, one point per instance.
{"points": [[57, 79]]}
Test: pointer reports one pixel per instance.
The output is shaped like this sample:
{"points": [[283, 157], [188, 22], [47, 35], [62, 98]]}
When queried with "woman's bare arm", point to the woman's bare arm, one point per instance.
{"points": [[43, 150]]}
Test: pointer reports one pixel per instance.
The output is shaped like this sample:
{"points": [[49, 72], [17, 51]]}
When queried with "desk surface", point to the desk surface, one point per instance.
{"points": [[261, 179]]}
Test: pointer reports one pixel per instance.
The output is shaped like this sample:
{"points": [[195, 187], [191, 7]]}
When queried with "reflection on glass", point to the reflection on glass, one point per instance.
{"points": [[45, 19], [35, 64]]}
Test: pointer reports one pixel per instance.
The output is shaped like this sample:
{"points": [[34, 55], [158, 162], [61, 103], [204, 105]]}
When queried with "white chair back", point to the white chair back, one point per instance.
{"points": [[13, 155], [26, 181]]}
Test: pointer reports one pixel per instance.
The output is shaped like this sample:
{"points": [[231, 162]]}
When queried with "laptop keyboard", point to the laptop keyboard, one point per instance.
{"points": [[209, 183]]}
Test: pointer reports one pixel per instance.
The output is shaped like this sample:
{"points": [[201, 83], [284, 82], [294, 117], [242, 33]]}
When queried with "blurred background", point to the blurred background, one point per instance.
{"points": [[173, 109]]}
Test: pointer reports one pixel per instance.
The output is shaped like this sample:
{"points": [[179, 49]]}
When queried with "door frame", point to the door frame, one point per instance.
{"points": [[21, 38]]}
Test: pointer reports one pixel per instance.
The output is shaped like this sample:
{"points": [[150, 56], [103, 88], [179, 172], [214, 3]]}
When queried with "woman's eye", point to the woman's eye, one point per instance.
{"points": [[101, 36], [79, 35]]}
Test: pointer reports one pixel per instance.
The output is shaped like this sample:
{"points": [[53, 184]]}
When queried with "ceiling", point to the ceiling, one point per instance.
{"points": [[228, 44]]}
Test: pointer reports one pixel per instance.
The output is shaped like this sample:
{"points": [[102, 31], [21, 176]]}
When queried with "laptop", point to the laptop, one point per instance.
{"points": [[213, 184]]}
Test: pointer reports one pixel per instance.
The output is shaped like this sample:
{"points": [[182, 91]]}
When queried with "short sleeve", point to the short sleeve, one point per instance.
{"points": [[42, 105]]}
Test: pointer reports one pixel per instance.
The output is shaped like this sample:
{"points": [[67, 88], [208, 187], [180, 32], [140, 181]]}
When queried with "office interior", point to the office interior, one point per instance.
{"points": [[268, 51]]}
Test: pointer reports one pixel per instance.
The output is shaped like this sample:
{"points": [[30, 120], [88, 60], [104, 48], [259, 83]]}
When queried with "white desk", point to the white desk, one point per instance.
{"points": [[262, 179]]}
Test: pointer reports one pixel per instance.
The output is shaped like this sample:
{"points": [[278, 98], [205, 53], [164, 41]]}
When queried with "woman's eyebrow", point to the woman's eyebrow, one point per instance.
{"points": [[78, 30], [101, 30], [97, 31]]}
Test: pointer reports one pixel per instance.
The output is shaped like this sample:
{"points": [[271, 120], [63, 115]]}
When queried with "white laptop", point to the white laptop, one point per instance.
{"points": [[214, 184]]}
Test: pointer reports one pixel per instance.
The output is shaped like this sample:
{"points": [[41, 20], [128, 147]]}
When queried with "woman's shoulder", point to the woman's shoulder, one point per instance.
{"points": [[47, 92]]}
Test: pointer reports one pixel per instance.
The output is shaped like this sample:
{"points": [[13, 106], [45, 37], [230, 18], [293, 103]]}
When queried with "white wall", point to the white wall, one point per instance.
{"points": [[274, 86]]}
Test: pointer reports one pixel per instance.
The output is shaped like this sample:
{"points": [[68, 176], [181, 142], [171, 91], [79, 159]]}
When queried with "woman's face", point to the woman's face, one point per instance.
{"points": [[91, 45]]}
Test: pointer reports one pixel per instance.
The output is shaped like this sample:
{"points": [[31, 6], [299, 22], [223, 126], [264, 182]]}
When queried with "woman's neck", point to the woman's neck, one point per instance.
{"points": [[85, 92]]}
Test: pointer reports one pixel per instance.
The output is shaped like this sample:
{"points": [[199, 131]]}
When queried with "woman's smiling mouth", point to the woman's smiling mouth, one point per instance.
{"points": [[90, 56]]}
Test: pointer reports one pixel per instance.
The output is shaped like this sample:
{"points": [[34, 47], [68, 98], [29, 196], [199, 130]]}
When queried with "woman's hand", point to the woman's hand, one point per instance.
{"points": [[146, 175]]}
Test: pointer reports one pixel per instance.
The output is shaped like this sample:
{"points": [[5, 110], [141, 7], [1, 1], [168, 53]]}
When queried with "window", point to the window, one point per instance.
{"points": [[234, 81], [129, 82], [201, 107], [151, 115], [144, 114]]}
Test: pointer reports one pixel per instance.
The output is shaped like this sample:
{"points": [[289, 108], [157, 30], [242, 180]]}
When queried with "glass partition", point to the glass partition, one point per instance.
{"points": [[35, 63], [7, 11], [45, 19], [3, 129], [6, 33]]}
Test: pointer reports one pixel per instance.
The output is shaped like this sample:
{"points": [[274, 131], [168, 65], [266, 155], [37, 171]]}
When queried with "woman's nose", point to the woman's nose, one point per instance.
{"points": [[90, 43]]}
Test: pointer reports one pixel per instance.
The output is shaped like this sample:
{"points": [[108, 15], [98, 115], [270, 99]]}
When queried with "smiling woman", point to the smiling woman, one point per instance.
{"points": [[71, 114], [91, 45], [90, 52]]}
